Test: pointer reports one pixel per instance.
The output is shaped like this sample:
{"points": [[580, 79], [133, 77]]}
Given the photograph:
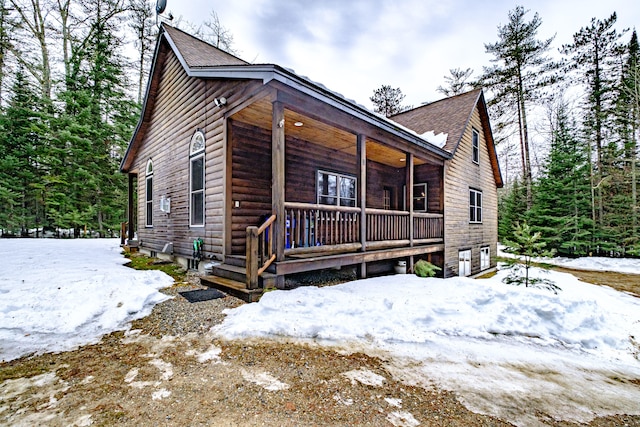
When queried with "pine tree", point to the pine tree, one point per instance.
{"points": [[142, 22], [628, 128], [21, 144], [457, 82], [521, 69], [388, 101], [528, 245], [561, 209], [595, 53], [512, 209]]}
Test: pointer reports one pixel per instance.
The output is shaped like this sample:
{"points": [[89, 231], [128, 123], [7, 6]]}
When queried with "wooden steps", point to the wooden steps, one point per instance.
{"points": [[231, 278], [232, 287]]}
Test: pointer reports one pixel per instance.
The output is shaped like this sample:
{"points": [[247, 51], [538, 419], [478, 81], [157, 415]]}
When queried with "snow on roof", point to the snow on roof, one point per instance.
{"points": [[439, 140]]}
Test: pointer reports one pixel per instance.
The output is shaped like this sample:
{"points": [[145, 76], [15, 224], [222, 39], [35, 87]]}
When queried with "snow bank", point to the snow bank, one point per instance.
{"points": [[500, 347], [56, 295], [408, 309]]}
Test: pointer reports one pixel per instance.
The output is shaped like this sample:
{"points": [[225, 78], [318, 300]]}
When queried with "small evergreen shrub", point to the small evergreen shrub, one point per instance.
{"points": [[424, 268]]}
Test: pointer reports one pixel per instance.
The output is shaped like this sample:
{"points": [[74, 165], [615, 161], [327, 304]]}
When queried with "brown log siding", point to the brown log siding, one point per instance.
{"points": [[182, 105]]}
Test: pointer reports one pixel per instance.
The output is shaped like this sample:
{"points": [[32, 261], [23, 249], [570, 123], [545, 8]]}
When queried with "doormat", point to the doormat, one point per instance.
{"points": [[201, 295]]}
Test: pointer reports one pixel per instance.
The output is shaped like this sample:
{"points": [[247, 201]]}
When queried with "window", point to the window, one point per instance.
{"points": [[196, 180], [485, 258], [386, 198], [464, 263], [148, 199], [419, 197], [336, 189], [475, 146], [475, 206]]}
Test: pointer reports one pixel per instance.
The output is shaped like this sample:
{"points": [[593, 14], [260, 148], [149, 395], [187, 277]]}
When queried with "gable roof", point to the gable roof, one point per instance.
{"points": [[203, 60], [452, 116], [448, 115], [198, 54]]}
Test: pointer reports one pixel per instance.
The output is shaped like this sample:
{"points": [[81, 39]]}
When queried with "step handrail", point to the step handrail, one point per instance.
{"points": [[260, 252]]}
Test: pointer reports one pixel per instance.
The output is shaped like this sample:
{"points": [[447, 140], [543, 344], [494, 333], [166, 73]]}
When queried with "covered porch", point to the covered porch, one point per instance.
{"points": [[310, 187]]}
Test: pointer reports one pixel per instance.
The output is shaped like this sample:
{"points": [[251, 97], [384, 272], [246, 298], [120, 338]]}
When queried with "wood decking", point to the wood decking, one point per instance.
{"points": [[231, 276]]}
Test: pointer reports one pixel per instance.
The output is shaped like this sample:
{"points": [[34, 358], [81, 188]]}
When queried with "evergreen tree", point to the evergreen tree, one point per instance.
{"points": [[21, 144], [628, 128], [595, 53], [512, 209], [388, 101], [94, 129], [561, 209], [142, 22], [521, 68], [457, 82], [528, 245], [5, 42]]}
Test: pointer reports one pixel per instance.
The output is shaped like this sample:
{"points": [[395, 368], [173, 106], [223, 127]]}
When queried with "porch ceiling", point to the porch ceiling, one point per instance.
{"points": [[317, 132]]}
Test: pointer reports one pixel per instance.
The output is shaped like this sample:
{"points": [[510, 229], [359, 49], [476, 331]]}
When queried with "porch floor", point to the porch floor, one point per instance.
{"points": [[230, 277]]}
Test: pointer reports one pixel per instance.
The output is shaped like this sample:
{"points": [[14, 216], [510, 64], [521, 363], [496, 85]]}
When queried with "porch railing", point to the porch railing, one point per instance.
{"points": [[310, 225], [427, 226], [260, 251], [312, 228]]}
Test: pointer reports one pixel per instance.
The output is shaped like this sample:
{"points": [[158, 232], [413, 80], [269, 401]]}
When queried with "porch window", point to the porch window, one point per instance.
{"points": [[419, 197], [475, 206], [196, 181], [464, 263], [485, 258], [336, 189], [148, 199], [475, 146], [386, 198]]}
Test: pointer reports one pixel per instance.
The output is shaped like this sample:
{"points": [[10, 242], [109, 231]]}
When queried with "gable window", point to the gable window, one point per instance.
{"points": [[336, 189], [475, 206], [148, 198], [464, 263], [196, 180], [475, 146], [485, 258]]}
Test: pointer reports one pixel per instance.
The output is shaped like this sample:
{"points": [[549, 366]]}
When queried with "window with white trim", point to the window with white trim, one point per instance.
{"points": [[148, 198], [485, 258], [336, 189], [475, 146], [196, 180], [475, 206], [464, 263]]}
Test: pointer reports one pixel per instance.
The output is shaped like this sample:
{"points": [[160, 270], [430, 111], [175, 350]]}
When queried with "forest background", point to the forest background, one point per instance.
{"points": [[73, 76]]}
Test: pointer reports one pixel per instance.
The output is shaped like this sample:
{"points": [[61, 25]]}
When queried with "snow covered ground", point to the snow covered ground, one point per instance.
{"points": [[56, 295], [505, 350], [620, 265]]}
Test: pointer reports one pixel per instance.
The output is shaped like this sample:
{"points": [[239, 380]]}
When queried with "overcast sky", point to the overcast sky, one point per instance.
{"points": [[355, 46]]}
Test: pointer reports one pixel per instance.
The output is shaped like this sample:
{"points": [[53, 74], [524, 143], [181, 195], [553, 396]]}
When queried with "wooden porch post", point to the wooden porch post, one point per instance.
{"points": [[362, 178], [409, 181], [131, 207], [277, 177]]}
